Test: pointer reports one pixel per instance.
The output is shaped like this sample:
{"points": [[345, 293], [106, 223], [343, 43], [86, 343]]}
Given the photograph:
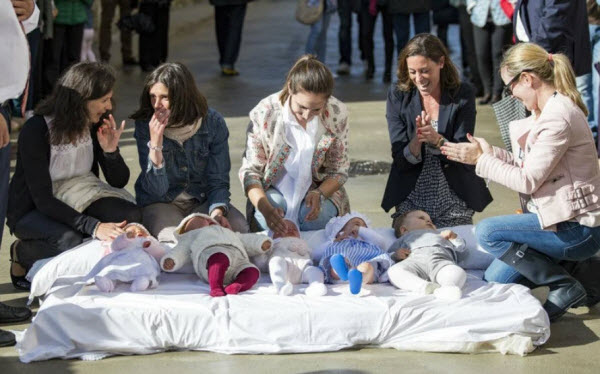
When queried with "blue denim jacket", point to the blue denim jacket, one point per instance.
{"points": [[200, 167]]}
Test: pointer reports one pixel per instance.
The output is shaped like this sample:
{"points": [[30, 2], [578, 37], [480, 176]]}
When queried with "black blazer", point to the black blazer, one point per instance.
{"points": [[558, 26], [31, 185], [456, 119]]}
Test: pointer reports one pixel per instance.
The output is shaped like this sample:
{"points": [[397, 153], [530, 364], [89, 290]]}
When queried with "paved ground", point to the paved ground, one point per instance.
{"points": [[272, 40]]}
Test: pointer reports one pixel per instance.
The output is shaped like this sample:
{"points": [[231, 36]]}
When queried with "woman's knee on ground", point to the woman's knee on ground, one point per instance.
{"points": [[66, 240]]}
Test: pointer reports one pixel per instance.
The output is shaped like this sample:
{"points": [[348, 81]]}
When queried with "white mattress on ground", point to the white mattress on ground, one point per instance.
{"points": [[179, 315]]}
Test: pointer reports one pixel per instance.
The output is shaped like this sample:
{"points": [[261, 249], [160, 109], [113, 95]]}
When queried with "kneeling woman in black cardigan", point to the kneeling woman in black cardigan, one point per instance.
{"points": [[55, 197]]}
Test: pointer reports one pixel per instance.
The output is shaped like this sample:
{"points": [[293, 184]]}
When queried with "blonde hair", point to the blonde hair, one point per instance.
{"points": [[554, 69], [307, 74], [431, 47]]}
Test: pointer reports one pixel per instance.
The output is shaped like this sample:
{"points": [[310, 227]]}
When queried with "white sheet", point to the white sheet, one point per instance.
{"points": [[179, 314]]}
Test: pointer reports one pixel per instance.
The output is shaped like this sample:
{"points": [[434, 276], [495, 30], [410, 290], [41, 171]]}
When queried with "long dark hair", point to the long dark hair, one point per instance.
{"points": [[310, 75], [81, 83], [431, 47], [186, 103]]}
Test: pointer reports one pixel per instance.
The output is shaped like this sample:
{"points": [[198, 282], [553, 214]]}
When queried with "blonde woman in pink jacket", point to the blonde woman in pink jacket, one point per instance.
{"points": [[554, 167]]}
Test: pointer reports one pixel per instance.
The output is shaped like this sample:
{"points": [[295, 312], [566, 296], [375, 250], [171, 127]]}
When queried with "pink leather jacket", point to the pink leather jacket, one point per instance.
{"points": [[554, 161]]}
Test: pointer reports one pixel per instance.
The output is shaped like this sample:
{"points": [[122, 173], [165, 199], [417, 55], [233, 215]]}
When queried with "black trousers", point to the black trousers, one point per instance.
{"points": [[154, 47], [367, 29], [42, 237], [468, 47], [64, 50], [229, 21], [490, 42]]}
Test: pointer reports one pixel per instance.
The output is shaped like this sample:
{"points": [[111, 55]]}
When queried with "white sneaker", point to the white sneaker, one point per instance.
{"points": [[343, 69]]}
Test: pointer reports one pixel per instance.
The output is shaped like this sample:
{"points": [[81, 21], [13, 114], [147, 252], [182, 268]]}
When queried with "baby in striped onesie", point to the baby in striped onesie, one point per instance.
{"points": [[354, 252]]}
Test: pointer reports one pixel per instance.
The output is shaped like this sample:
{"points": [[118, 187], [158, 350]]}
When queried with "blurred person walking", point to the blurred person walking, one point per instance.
{"points": [[107, 17], [491, 33], [229, 22]]}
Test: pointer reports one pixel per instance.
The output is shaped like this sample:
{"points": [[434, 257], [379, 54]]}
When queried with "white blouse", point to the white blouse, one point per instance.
{"points": [[296, 178], [70, 160]]}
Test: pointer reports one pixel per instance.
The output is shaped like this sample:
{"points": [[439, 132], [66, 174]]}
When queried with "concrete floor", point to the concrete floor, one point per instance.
{"points": [[272, 40]]}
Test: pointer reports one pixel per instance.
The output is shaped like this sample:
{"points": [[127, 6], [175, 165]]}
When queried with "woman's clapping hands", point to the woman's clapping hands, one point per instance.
{"points": [[467, 153]]}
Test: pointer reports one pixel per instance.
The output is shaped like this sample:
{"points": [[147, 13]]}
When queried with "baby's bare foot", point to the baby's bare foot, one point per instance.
{"points": [[368, 272], [168, 264]]}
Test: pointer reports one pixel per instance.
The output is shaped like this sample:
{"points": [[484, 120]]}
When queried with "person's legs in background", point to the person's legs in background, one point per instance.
{"points": [[72, 48], [87, 53], [501, 40], [587, 84], [221, 25], [233, 38], [106, 19], [162, 25], [367, 26], [316, 44], [388, 39], [345, 36], [421, 22], [126, 35], [468, 49], [481, 37], [53, 54], [401, 24], [455, 47]]}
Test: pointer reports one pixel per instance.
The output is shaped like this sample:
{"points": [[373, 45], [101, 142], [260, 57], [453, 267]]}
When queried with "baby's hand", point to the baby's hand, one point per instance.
{"points": [[448, 234], [169, 264], [401, 254], [266, 245]]}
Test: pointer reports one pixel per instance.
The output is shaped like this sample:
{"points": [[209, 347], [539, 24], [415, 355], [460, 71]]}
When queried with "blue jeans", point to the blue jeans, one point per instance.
{"points": [[571, 241], [402, 27], [588, 84], [317, 38], [327, 212]]}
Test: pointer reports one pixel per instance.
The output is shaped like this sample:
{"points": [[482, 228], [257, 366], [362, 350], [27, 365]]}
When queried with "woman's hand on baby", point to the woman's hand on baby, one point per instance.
{"points": [[168, 264], [401, 254], [110, 230], [108, 134], [313, 201], [217, 215], [275, 221], [448, 234], [467, 153]]}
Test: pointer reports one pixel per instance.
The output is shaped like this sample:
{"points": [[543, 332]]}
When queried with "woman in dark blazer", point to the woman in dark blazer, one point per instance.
{"points": [[429, 106]]}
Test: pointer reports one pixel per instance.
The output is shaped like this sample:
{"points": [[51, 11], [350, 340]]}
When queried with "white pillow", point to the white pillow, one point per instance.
{"points": [[77, 261], [473, 258], [74, 263]]}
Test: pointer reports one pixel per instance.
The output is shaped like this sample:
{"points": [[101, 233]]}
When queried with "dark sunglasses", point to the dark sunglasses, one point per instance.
{"points": [[508, 87]]}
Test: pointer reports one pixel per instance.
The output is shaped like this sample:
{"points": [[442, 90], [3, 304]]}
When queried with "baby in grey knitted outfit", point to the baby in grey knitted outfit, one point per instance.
{"points": [[431, 265]]}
